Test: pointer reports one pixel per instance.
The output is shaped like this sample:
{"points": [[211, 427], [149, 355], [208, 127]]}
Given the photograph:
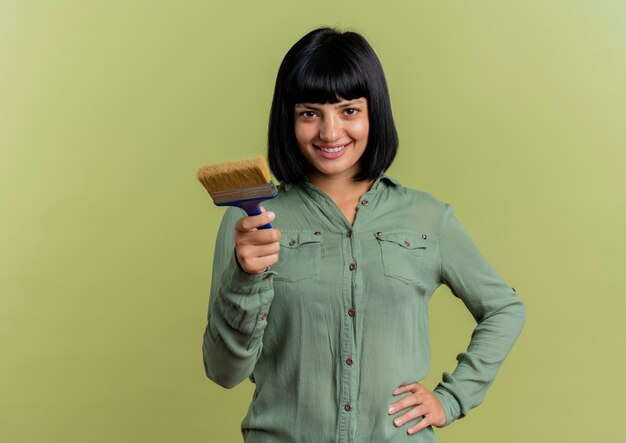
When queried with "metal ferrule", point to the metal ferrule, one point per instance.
{"points": [[262, 191]]}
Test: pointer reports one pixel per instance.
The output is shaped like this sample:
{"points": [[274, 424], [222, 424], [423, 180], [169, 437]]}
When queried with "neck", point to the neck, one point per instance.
{"points": [[341, 188]]}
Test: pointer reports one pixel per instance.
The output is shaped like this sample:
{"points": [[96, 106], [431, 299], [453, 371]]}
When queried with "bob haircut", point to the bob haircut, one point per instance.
{"points": [[327, 66]]}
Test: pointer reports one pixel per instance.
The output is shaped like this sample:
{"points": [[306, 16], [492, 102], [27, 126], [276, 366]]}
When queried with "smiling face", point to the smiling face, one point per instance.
{"points": [[332, 136]]}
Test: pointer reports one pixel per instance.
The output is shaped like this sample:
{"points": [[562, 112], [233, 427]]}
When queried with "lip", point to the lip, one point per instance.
{"points": [[332, 155]]}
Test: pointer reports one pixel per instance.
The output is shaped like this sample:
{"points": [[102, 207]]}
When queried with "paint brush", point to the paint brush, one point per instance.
{"points": [[243, 183]]}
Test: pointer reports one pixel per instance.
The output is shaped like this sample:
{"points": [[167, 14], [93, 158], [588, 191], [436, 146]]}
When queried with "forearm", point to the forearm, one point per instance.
{"points": [[237, 314], [491, 342], [233, 336]]}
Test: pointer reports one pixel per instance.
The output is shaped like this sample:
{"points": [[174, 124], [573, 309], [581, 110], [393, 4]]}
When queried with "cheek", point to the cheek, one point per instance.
{"points": [[360, 129], [302, 133]]}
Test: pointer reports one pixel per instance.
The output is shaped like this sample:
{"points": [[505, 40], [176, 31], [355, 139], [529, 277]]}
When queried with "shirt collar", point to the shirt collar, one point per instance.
{"points": [[384, 178]]}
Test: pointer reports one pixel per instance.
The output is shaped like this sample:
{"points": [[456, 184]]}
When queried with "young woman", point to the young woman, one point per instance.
{"points": [[328, 311]]}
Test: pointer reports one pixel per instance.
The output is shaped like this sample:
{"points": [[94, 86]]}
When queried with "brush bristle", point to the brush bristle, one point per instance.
{"points": [[234, 175]]}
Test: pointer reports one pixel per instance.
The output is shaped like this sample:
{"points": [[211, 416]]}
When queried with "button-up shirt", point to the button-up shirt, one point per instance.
{"points": [[330, 331]]}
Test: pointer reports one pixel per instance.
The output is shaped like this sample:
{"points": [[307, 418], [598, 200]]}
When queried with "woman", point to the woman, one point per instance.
{"points": [[328, 311]]}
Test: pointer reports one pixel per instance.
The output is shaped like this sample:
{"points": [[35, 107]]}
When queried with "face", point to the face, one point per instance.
{"points": [[332, 136]]}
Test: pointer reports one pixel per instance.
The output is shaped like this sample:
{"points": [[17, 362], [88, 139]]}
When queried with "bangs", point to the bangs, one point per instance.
{"points": [[327, 79]]}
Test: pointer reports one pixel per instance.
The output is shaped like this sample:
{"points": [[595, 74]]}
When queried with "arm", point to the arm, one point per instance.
{"points": [[495, 306], [238, 308]]}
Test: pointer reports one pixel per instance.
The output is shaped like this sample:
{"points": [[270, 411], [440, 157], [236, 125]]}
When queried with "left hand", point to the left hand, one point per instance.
{"points": [[423, 403]]}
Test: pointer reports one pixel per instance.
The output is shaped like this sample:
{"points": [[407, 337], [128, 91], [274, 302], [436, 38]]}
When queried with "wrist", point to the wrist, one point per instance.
{"points": [[449, 404]]}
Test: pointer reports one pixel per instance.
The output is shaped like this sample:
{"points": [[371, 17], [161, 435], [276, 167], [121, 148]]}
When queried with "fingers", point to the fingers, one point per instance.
{"points": [[256, 259], [253, 256], [263, 250], [258, 237], [414, 413], [249, 223], [406, 388], [409, 400], [256, 249], [257, 265], [424, 423], [421, 403]]}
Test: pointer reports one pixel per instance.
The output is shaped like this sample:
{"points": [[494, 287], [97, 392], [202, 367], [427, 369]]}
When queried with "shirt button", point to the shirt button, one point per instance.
{"points": [[407, 244], [349, 234], [293, 243], [263, 315], [349, 361], [379, 234], [352, 266], [365, 202], [351, 312], [348, 407], [318, 233]]}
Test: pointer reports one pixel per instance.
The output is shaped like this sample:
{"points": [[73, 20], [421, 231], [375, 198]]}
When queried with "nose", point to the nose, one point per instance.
{"points": [[330, 128]]}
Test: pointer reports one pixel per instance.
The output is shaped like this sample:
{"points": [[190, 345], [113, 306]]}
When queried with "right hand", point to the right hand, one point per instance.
{"points": [[256, 249]]}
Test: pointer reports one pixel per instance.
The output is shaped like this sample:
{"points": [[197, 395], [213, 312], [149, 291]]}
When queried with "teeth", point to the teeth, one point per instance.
{"points": [[333, 149]]}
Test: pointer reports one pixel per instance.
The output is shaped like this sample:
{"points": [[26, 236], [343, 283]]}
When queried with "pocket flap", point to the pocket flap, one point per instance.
{"points": [[407, 240], [293, 239]]}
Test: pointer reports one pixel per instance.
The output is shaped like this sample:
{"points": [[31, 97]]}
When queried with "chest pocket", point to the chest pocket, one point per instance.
{"points": [[402, 253], [300, 255]]}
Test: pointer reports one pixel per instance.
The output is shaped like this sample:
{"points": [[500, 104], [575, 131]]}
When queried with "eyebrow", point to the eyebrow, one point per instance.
{"points": [[337, 106]]}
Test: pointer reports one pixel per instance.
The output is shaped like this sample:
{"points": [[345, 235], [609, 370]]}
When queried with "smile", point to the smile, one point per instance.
{"points": [[332, 150]]}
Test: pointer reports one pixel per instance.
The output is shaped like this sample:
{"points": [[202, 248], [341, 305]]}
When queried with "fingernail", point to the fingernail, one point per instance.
{"points": [[397, 422], [392, 409], [410, 431], [396, 392], [271, 215]]}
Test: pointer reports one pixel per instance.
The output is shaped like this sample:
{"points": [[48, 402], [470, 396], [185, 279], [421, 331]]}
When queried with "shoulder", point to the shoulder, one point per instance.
{"points": [[418, 198], [289, 195]]}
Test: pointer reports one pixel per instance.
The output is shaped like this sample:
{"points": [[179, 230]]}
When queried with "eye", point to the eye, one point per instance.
{"points": [[307, 114], [351, 111]]}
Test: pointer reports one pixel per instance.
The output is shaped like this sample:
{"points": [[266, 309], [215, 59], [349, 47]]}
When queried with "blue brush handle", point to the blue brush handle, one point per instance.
{"points": [[252, 207]]}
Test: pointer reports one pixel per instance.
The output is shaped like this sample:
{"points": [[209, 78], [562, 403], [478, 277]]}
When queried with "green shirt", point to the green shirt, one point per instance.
{"points": [[330, 331]]}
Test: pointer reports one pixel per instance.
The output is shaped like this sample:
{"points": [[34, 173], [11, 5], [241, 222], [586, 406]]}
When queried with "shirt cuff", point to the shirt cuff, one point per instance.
{"points": [[450, 405]]}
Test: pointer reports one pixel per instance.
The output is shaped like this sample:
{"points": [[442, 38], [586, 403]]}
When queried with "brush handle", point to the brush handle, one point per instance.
{"points": [[252, 207]]}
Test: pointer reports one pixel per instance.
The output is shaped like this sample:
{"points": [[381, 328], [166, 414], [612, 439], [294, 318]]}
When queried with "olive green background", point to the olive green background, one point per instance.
{"points": [[514, 112]]}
